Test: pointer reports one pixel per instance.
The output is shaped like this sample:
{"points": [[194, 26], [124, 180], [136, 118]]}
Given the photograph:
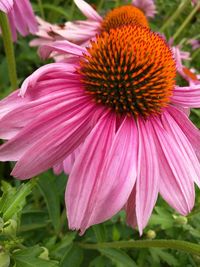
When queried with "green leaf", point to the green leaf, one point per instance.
{"points": [[164, 256], [13, 201], [100, 261], [48, 188], [100, 233], [162, 218], [60, 248], [118, 257], [72, 258], [29, 257]]}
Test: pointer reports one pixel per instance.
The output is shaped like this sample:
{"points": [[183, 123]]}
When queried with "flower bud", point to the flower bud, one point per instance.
{"points": [[151, 234], [181, 220]]}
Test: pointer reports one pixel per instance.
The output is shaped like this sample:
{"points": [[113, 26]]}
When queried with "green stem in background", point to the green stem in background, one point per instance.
{"points": [[117, 3], [9, 49], [100, 4], [178, 11], [72, 9], [187, 20], [170, 244], [196, 52], [41, 9]]}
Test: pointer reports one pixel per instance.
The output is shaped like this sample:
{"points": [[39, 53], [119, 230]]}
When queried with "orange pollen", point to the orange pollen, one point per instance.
{"points": [[130, 70], [122, 16]]}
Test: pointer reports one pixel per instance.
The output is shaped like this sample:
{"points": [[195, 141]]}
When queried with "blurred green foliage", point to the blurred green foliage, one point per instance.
{"points": [[33, 223]]}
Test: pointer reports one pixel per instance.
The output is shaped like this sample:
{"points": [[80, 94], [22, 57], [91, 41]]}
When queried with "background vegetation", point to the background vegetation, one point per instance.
{"points": [[33, 224]]}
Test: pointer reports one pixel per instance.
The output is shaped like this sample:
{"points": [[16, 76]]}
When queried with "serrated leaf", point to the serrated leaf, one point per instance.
{"points": [[118, 257], [29, 257], [13, 200], [48, 188], [164, 256]]}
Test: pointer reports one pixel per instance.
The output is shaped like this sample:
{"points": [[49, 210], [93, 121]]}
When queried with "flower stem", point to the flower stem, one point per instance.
{"points": [[9, 49], [186, 21], [171, 244], [179, 10], [117, 3], [100, 4], [196, 52]]}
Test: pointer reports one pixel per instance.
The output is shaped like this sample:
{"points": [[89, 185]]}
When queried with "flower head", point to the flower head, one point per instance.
{"points": [[20, 15], [121, 16], [136, 74], [97, 112]]}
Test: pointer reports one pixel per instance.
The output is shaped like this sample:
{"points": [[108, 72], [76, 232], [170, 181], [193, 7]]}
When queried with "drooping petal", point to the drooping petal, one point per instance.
{"points": [[62, 47], [25, 20], [147, 6], [188, 128], [56, 145], [87, 10], [184, 145], [6, 5], [47, 73], [188, 97], [38, 128], [176, 184], [148, 174], [83, 181], [107, 179], [130, 208], [13, 121], [10, 103]]}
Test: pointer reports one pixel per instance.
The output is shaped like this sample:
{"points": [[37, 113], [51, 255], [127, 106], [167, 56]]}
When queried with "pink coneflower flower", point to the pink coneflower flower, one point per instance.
{"points": [[20, 15], [118, 111], [194, 43], [147, 6], [82, 31]]}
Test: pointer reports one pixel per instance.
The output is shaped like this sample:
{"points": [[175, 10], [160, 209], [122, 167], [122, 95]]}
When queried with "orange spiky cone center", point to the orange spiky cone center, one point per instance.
{"points": [[121, 16], [130, 70]]}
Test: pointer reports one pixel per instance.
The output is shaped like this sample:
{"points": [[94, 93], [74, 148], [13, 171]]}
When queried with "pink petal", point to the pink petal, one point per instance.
{"points": [[68, 163], [10, 103], [188, 97], [55, 146], [184, 145], [6, 5], [62, 47], [147, 6], [187, 127], [148, 174], [25, 19], [13, 121], [37, 129], [84, 176], [130, 207], [48, 72], [87, 10], [103, 175], [58, 168], [176, 185]]}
